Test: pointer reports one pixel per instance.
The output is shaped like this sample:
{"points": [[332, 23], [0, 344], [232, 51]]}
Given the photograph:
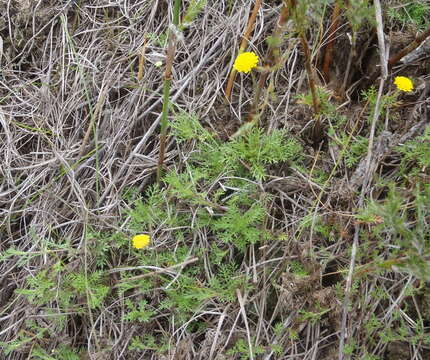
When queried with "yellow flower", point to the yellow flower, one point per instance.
{"points": [[403, 83], [245, 62], [141, 241]]}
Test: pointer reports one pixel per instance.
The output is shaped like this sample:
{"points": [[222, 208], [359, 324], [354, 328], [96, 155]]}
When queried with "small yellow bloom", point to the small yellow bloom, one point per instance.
{"points": [[141, 241], [403, 83], [245, 62]]}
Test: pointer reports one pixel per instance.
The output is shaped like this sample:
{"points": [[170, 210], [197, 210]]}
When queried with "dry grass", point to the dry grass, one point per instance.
{"points": [[78, 128]]}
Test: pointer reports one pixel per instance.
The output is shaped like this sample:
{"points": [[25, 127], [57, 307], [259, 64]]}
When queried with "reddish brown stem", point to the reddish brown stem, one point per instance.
{"points": [[411, 47], [328, 55], [250, 25], [405, 51], [243, 45], [273, 52]]}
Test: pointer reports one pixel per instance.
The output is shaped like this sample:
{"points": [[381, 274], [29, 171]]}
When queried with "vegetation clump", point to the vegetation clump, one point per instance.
{"points": [[155, 204]]}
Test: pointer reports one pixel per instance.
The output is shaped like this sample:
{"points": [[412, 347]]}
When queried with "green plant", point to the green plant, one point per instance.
{"points": [[312, 316], [356, 150], [217, 254], [407, 227], [413, 13], [159, 40], [416, 151], [41, 288], [154, 209], [90, 286], [326, 107], [18, 343], [370, 357], [386, 102], [298, 269], [186, 297], [63, 352], [187, 127], [349, 348], [101, 244], [149, 342], [226, 281], [32, 333], [359, 12], [184, 186], [278, 349], [194, 8], [242, 223], [249, 154], [257, 150], [138, 312], [242, 350], [293, 334], [55, 284]]}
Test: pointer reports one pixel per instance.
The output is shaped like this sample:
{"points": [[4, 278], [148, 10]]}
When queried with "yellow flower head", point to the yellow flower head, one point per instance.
{"points": [[141, 241], [403, 83], [245, 62]]}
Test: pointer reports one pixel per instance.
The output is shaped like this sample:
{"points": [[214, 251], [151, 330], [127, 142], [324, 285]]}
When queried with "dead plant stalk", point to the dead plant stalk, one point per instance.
{"points": [[328, 55], [171, 48]]}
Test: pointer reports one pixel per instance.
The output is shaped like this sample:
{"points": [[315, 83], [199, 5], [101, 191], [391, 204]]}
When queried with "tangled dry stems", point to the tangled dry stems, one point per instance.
{"points": [[66, 61]]}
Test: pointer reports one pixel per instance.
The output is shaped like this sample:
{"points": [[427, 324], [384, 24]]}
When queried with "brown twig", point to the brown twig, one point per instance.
{"points": [[411, 47], [351, 56], [402, 53], [328, 55], [273, 52], [243, 45]]}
